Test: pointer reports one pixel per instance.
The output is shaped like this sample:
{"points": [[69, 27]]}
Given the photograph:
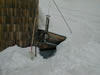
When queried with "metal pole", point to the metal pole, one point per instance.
{"points": [[47, 23]]}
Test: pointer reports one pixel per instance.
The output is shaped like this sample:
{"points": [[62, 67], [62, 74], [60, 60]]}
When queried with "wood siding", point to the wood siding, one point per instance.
{"points": [[17, 22]]}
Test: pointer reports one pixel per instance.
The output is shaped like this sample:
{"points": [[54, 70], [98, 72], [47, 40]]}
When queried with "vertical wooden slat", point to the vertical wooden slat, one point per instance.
{"points": [[0, 11], [2, 3], [0, 31], [4, 11]]}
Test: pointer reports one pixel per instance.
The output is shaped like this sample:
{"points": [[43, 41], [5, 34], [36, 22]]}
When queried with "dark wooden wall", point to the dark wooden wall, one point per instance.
{"points": [[17, 22]]}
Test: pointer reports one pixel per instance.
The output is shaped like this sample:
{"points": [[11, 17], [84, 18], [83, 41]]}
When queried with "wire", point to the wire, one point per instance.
{"points": [[49, 7], [62, 16]]}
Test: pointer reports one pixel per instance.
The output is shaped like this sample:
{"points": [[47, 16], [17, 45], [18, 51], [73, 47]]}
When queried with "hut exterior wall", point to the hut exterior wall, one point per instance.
{"points": [[17, 22]]}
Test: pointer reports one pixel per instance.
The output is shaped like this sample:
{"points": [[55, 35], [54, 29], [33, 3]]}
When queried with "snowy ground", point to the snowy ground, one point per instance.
{"points": [[78, 55]]}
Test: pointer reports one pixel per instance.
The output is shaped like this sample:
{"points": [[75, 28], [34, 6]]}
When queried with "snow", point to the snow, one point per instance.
{"points": [[77, 55]]}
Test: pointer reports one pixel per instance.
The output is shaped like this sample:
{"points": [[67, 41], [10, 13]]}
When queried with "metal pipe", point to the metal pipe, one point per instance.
{"points": [[47, 23]]}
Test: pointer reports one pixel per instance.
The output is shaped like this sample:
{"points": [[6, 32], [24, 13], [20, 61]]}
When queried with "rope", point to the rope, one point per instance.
{"points": [[62, 16]]}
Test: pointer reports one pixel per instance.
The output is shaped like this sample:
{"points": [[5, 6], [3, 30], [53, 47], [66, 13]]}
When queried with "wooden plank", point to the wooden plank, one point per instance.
{"points": [[2, 3], [0, 32], [1, 11]]}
